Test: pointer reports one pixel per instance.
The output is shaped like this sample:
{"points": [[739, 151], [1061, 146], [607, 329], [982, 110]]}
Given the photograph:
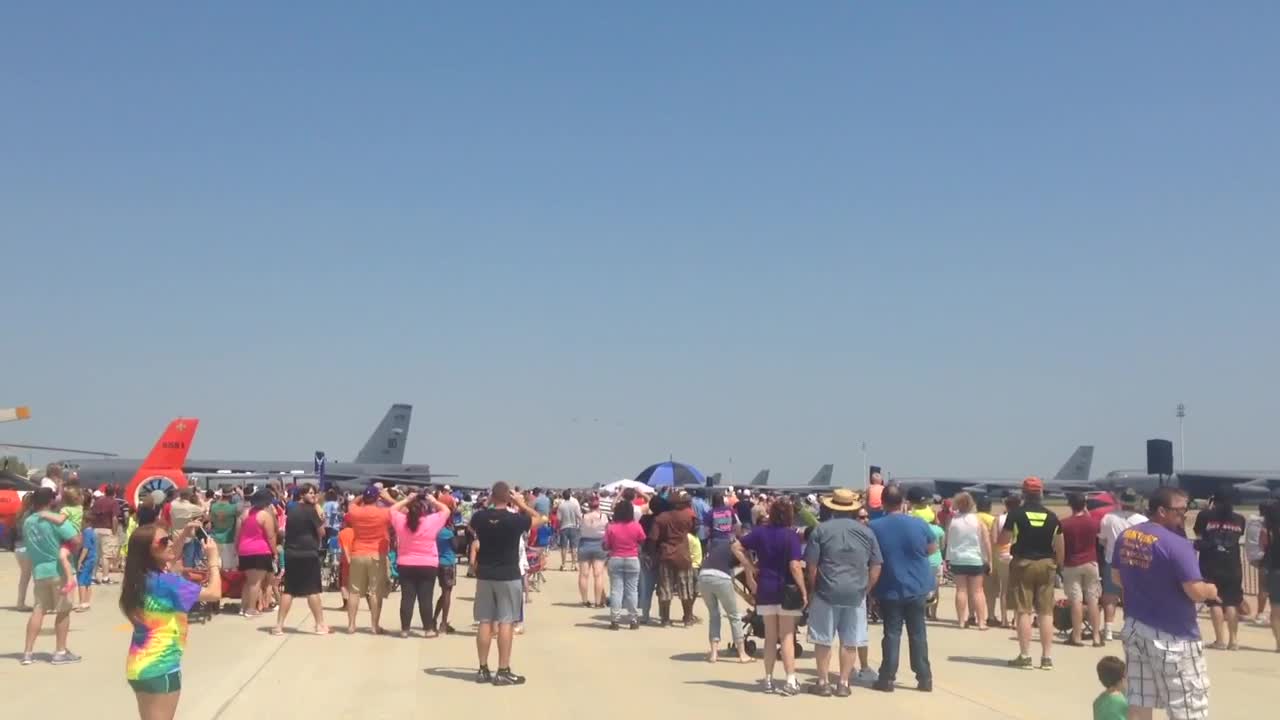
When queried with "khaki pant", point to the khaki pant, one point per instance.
{"points": [[367, 575], [1082, 583], [108, 551], [50, 598], [1031, 585]]}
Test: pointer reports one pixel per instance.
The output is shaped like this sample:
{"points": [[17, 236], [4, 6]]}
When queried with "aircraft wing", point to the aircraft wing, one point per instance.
{"points": [[17, 413], [58, 449]]}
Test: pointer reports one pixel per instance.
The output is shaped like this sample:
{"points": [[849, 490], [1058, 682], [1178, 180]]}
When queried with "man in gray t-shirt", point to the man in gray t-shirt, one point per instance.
{"points": [[569, 513], [843, 563]]}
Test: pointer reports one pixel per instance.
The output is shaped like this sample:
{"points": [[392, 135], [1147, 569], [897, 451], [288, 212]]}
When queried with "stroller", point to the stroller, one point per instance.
{"points": [[232, 588], [1062, 621], [753, 622], [534, 555]]}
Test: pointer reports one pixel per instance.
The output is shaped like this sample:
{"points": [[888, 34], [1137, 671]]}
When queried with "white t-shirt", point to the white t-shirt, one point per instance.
{"points": [[964, 540], [570, 513], [1113, 524]]}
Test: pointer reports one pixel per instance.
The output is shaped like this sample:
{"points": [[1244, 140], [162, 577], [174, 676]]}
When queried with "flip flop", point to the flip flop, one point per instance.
{"points": [[276, 632], [1216, 646]]}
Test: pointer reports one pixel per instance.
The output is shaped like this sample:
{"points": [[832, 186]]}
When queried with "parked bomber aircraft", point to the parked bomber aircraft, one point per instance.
{"points": [[1250, 485], [381, 460], [819, 483], [1074, 476]]}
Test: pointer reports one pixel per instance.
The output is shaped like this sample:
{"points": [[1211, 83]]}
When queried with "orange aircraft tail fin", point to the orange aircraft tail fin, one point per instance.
{"points": [[162, 469]]}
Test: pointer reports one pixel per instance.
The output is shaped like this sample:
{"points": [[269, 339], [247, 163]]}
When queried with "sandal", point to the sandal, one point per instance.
{"points": [[277, 632], [1216, 646]]}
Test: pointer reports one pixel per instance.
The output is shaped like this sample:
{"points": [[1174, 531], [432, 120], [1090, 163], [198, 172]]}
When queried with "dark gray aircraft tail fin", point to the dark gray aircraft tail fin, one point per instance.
{"points": [[1078, 465], [761, 478], [386, 444], [824, 476]]}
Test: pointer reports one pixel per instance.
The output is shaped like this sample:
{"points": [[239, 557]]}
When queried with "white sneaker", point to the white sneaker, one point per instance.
{"points": [[1106, 635], [866, 676]]}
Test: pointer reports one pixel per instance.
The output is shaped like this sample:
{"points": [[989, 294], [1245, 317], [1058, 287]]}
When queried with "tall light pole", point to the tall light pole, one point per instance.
{"points": [[1182, 437], [866, 482]]}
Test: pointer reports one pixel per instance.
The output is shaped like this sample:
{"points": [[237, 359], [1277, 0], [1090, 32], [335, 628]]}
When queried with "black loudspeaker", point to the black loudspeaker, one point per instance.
{"points": [[1159, 457]]}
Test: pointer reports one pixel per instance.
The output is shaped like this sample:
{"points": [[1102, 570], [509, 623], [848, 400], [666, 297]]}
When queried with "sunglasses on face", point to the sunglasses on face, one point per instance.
{"points": [[163, 541]]}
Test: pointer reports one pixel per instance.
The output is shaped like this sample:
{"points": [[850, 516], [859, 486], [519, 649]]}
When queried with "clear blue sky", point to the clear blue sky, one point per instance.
{"points": [[974, 235]]}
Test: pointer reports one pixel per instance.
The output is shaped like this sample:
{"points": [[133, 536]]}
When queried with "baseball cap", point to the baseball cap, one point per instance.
{"points": [[917, 494], [372, 492], [1128, 496], [1033, 484]]}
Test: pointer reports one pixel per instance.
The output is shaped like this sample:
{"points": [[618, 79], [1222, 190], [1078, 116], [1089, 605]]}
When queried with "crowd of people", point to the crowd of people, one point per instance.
{"points": [[765, 565]]}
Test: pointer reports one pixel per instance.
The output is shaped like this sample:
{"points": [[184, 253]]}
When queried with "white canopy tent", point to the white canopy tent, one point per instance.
{"points": [[626, 484]]}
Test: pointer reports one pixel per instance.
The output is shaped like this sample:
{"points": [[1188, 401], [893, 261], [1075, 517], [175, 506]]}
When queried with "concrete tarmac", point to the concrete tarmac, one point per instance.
{"points": [[235, 670]]}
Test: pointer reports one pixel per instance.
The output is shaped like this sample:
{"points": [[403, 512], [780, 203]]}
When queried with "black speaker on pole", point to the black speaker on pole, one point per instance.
{"points": [[1160, 457]]}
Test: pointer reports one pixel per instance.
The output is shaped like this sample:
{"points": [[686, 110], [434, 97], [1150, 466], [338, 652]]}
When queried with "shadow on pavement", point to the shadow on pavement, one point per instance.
{"points": [[452, 673], [727, 685], [989, 662], [38, 657]]}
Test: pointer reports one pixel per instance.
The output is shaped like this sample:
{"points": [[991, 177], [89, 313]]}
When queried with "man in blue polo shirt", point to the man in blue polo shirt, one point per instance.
{"points": [[906, 579]]}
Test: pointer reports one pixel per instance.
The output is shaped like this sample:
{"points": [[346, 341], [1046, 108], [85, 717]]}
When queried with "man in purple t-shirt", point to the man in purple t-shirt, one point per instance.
{"points": [[1158, 569]]}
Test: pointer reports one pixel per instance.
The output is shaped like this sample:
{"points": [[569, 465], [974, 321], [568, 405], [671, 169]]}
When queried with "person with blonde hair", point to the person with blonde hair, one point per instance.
{"points": [[969, 556]]}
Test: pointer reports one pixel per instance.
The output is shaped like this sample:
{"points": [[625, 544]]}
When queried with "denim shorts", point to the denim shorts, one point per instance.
{"points": [[569, 537], [591, 549], [826, 622]]}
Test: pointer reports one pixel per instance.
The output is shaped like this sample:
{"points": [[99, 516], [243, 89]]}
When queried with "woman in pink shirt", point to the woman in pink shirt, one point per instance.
{"points": [[417, 520], [622, 539]]}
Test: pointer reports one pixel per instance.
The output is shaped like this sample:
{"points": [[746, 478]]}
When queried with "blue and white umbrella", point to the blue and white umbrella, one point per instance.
{"points": [[671, 474]]}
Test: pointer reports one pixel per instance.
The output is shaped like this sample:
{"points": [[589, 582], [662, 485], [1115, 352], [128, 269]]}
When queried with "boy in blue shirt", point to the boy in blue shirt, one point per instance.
{"points": [[88, 560]]}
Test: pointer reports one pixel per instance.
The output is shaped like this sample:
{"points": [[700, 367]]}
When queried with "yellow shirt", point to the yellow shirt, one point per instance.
{"points": [[987, 520], [925, 513]]}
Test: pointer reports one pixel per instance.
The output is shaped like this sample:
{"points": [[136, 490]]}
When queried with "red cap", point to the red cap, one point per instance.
{"points": [[1033, 484]]}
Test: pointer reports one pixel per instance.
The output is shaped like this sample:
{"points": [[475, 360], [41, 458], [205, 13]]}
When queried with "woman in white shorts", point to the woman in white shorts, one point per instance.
{"points": [[780, 577]]}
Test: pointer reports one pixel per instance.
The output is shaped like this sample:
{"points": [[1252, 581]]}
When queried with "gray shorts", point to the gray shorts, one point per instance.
{"points": [[498, 601]]}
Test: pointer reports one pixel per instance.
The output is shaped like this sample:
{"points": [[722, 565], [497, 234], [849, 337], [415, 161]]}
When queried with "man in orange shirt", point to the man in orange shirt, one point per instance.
{"points": [[367, 575]]}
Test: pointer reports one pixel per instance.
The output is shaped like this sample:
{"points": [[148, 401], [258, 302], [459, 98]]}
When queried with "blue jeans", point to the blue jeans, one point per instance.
{"points": [[192, 553], [624, 579], [648, 582], [894, 613], [717, 593]]}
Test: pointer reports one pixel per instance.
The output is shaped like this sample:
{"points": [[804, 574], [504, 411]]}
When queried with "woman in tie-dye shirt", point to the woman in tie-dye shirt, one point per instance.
{"points": [[157, 601]]}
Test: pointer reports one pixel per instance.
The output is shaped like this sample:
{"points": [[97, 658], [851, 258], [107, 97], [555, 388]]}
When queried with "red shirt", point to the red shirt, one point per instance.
{"points": [[1080, 536]]}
